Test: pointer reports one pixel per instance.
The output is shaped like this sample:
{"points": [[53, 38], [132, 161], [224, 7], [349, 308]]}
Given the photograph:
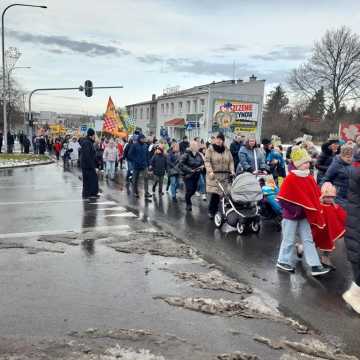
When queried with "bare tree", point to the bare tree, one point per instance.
{"points": [[334, 65]]}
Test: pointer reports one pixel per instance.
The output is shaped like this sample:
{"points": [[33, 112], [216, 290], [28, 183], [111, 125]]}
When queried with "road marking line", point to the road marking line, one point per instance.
{"points": [[127, 214], [103, 203], [63, 232], [116, 208], [40, 202]]}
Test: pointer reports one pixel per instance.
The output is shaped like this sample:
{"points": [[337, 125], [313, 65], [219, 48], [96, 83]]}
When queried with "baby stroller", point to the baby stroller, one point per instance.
{"points": [[239, 208]]}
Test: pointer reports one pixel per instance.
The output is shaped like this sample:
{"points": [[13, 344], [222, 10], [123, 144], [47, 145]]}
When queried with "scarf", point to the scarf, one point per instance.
{"points": [[303, 191], [219, 149]]}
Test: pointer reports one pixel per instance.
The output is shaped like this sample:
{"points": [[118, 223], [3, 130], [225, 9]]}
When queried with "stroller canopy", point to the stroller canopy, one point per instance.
{"points": [[246, 188]]}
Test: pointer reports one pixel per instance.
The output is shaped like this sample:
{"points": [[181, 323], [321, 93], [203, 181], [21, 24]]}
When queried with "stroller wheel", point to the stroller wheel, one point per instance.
{"points": [[255, 227], [240, 228], [218, 220]]}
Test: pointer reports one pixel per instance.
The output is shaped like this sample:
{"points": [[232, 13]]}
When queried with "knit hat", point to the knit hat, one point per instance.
{"points": [[328, 190], [299, 156], [90, 132], [220, 136]]}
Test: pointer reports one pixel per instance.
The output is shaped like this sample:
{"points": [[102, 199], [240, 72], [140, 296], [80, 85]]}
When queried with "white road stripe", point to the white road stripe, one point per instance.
{"points": [[103, 203], [127, 214], [40, 202], [116, 208], [62, 232]]}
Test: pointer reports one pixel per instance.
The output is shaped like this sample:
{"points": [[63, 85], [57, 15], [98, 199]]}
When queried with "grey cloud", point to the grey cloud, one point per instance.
{"points": [[284, 53], [229, 48], [64, 42], [56, 51], [150, 59]]}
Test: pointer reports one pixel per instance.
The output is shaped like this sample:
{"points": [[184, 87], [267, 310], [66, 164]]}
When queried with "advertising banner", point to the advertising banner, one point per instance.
{"points": [[349, 131], [236, 116]]}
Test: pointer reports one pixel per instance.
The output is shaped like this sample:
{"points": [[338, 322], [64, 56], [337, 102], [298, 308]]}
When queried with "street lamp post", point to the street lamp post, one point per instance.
{"points": [[9, 85], [3, 61]]}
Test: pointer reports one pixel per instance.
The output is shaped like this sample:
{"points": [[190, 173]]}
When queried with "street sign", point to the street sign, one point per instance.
{"points": [[189, 127], [83, 128]]}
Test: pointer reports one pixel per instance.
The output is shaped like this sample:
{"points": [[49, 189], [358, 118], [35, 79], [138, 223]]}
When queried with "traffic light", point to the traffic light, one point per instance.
{"points": [[88, 88]]}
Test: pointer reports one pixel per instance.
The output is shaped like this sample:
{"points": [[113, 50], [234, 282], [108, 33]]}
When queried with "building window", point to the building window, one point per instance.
{"points": [[162, 108], [172, 108], [167, 108], [180, 107], [195, 106], [141, 113], [147, 113], [202, 105], [188, 106]]}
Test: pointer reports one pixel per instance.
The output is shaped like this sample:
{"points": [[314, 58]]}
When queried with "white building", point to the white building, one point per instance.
{"points": [[231, 106]]}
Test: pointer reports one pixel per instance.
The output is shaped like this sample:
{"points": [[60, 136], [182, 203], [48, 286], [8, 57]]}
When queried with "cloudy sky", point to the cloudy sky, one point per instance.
{"points": [[148, 45]]}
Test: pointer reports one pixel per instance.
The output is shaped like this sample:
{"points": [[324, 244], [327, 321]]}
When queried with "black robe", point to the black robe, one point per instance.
{"points": [[88, 165]]}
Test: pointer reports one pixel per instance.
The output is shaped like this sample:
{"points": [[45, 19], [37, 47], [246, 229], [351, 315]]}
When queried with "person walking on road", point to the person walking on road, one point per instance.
{"points": [[173, 162], [158, 166], [129, 164], [75, 146], [352, 235], [88, 166], [219, 166], [251, 158], [139, 156], [326, 157], [110, 157], [300, 200], [191, 165], [338, 174], [10, 142], [57, 149], [42, 145], [184, 145]]}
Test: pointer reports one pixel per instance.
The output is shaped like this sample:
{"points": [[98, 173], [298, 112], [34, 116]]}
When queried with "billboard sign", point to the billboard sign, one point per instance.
{"points": [[236, 116]]}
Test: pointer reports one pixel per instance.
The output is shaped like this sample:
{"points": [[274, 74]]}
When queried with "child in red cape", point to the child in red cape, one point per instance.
{"points": [[299, 197], [335, 218]]}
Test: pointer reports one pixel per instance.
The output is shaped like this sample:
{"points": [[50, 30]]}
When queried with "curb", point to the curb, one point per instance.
{"points": [[27, 165]]}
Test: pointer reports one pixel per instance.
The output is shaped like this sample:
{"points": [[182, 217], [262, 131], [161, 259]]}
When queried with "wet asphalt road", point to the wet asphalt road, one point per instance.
{"points": [[252, 259], [24, 200]]}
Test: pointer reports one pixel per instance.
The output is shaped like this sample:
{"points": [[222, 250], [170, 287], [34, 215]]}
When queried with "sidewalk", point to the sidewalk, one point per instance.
{"points": [[112, 286]]}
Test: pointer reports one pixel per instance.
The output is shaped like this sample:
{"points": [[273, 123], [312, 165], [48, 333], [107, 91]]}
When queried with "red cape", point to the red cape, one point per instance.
{"points": [[335, 218], [304, 191]]}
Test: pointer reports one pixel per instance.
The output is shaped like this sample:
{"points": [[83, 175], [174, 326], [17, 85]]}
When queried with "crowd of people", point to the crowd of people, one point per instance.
{"points": [[318, 191]]}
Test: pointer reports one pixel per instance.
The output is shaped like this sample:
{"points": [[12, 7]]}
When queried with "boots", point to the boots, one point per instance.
{"points": [[352, 297]]}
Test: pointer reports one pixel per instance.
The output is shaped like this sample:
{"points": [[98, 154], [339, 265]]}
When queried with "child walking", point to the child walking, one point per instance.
{"points": [[110, 158], [300, 200], [158, 166], [335, 218]]}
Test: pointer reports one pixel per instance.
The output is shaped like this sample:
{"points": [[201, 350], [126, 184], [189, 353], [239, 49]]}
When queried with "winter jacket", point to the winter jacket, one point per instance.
{"points": [[190, 162], [338, 174], [352, 235], [127, 148], [57, 147], [234, 149], [184, 146], [221, 164], [324, 161], [139, 156], [277, 169], [158, 164], [173, 161], [120, 150], [247, 159], [110, 154], [88, 154], [292, 211], [75, 146]]}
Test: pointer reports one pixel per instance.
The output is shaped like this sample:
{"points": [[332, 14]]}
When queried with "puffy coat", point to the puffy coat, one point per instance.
{"points": [[110, 153], [338, 174], [247, 159], [190, 162], [158, 164], [139, 156], [324, 161], [352, 235], [219, 163]]}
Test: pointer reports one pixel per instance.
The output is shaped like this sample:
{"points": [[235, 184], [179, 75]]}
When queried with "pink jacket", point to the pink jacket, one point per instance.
{"points": [[110, 153]]}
